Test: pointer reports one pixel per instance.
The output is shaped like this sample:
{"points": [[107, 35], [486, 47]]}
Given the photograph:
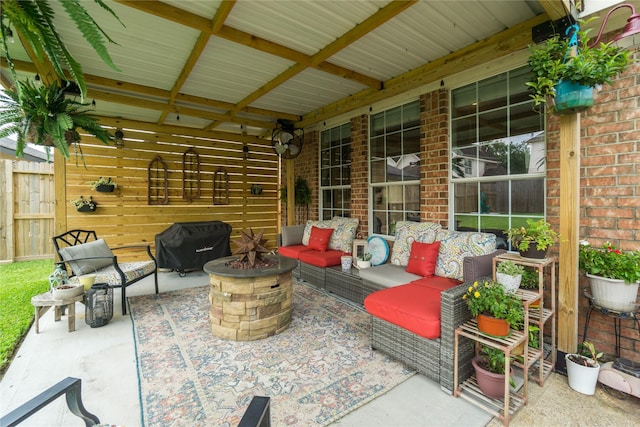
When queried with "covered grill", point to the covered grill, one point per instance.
{"points": [[190, 245]]}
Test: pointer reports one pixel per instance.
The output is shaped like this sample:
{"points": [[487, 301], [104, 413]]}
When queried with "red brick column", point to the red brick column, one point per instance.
{"points": [[359, 171], [434, 136]]}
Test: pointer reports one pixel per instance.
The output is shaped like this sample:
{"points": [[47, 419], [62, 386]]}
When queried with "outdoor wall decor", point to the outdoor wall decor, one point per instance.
{"points": [[221, 187], [157, 173], [190, 175]]}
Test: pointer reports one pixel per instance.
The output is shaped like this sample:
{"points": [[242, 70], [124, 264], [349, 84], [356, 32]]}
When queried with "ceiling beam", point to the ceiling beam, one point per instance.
{"points": [[158, 106], [556, 9], [174, 14], [118, 122], [161, 94], [508, 41], [218, 20], [371, 23]]}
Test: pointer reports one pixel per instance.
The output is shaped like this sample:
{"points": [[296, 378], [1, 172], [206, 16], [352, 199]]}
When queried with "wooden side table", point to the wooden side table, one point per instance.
{"points": [[43, 302]]}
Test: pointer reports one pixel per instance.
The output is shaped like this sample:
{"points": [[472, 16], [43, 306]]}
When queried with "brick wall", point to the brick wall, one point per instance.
{"points": [[609, 189], [360, 172]]}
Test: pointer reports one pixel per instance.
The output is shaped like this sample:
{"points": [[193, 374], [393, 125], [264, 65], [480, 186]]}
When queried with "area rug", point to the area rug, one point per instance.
{"points": [[316, 371]]}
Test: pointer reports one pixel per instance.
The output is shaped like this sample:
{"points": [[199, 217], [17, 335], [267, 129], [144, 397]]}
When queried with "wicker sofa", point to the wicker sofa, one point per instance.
{"points": [[469, 258]]}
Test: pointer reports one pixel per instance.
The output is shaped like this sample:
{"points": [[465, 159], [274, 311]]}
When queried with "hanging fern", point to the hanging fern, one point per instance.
{"points": [[33, 20]]}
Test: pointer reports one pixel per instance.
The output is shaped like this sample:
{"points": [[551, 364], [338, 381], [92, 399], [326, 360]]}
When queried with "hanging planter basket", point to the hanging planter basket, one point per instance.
{"points": [[105, 188], [572, 97], [87, 208]]}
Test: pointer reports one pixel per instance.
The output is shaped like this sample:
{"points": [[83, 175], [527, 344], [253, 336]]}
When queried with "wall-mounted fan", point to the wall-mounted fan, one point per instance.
{"points": [[287, 140]]}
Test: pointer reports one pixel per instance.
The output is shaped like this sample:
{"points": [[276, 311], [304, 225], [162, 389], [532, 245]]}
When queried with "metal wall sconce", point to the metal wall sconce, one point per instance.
{"points": [[119, 140], [245, 150]]}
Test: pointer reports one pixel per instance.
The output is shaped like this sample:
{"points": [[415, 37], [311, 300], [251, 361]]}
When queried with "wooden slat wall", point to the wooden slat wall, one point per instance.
{"points": [[27, 203], [124, 217]]}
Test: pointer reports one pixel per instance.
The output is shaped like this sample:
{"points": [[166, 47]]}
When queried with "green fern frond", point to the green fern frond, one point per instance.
{"points": [[90, 29]]}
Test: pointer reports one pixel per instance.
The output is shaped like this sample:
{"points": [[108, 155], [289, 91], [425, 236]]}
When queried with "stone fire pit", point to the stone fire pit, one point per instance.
{"points": [[250, 304]]}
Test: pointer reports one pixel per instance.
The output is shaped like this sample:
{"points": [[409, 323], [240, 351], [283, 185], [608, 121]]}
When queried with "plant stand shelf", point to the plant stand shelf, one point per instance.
{"points": [[617, 317], [503, 408], [539, 315]]}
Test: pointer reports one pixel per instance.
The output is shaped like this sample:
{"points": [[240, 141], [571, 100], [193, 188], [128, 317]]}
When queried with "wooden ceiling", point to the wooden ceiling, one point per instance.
{"points": [[239, 66]]}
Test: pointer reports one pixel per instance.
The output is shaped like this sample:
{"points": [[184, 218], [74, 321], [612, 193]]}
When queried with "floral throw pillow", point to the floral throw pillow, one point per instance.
{"points": [[408, 232], [343, 234], [307, 229], [456, 245]]}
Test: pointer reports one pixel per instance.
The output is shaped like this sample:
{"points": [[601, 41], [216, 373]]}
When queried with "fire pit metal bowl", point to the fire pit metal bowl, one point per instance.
{"points": [[250, 303]]}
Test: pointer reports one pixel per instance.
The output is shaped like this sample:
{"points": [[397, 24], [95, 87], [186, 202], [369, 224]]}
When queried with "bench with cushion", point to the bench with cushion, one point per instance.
{"points": [[86, 254]]}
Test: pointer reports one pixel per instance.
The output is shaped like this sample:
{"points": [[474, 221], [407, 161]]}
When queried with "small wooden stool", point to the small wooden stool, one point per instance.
{"points": [[45, 301]]}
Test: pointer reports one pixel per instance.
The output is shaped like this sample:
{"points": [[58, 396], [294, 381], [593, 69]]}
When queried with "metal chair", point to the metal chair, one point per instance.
{"points": [[85, 253]]}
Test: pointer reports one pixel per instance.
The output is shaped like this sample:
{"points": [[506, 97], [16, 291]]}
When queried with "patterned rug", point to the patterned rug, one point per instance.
{"points": [[317, 371]]}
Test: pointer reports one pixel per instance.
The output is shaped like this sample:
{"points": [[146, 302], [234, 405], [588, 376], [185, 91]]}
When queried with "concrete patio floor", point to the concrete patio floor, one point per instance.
{"points": [[104, 358]]}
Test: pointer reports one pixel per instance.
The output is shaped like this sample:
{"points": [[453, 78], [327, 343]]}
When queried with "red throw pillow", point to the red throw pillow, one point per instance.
{"points": [[422, 260], [319, 238]]}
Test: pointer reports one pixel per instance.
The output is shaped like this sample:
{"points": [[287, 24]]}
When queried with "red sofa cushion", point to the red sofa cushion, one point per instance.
{"points": [[437, 282], [422, 259], [321, 259], [319, 238], [293, 251], [411, 306]]}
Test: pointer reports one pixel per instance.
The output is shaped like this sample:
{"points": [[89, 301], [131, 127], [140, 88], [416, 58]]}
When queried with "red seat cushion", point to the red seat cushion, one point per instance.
{"points": [[319, 238], [321, 259], [411, 306], [292, 251], [437, 282], [422, 259]]}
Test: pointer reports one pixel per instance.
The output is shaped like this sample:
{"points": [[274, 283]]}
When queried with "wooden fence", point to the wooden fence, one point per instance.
{"points": [[27, 203]]}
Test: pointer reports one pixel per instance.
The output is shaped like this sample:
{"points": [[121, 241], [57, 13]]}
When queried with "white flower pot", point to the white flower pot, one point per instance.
{"points": [[508, 282], [613, 294], [582, 379], [363, 264]]}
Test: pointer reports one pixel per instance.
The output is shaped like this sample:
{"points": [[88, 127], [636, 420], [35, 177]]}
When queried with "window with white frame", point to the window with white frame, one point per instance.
{"points": [[335, 172], [497, 155], [394, 165]]}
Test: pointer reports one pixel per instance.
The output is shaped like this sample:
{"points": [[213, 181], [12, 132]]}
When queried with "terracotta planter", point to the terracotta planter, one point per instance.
{"points": [[492, 326], [491, 384], [613, 294]]}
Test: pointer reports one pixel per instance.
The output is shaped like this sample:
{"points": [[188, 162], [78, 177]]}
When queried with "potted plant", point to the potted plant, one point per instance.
{"points": [[489, 367], [614, 275], [567, 77], [104, 185], [41, 114], [365, 261], [509, 275], [534, 240], [85, 205], [583, 369], [495, 310], [302, 195]]}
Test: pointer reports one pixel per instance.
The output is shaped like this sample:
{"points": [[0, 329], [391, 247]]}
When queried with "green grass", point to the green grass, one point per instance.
{"points": [[18, 283]]}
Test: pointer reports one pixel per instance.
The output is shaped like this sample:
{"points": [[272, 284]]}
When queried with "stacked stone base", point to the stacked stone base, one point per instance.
{"points": [[246, 309]]}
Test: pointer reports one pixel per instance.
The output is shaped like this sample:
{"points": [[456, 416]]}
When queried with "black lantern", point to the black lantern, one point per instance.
{"points": [[98, 305]]}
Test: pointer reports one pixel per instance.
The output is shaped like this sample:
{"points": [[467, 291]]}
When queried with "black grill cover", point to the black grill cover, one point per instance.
{"points": [[190, 245]]}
